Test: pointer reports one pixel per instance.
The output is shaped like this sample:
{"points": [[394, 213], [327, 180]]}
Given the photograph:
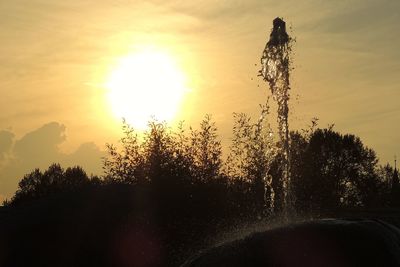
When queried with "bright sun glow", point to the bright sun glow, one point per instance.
{"points": [[146, 85]]}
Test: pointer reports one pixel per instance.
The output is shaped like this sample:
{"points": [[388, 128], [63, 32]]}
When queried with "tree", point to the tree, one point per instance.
{"points": [[54, 180], [251, 154], [336, 171], [164, 156], [390, 189], [125, 166], [206, 150]]}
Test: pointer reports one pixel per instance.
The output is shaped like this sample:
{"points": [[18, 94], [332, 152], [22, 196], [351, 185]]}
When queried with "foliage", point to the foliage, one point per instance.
{"points": [[124, 166], [252, 149], [206, 150], [251, 154], [175, 184], [334, 170], [162, 153], [54, 180], [328, 170]]}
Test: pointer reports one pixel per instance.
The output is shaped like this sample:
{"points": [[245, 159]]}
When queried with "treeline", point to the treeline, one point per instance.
{"points": [[54, 180], [329, 171], [168, 193]]}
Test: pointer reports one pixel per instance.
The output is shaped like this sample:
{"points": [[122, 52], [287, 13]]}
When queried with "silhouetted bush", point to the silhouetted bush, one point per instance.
{"points": [[161, 153]]}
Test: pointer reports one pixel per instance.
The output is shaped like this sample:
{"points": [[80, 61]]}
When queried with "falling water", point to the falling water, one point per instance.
{"points": [[275, 70]]}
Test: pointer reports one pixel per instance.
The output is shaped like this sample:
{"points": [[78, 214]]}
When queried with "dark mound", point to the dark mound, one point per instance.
{"points": [[318, 243]]}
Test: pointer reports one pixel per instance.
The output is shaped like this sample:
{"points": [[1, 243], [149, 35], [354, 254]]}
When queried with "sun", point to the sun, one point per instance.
{"points": [[146, 85]]}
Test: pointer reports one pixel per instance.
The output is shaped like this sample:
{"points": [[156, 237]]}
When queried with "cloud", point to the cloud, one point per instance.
{"points": [[6, 141], [39, 149], [88, 155], [40, 142]]}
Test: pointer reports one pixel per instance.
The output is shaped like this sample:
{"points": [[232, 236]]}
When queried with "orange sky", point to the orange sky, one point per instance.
{"points": [[56, 56]]}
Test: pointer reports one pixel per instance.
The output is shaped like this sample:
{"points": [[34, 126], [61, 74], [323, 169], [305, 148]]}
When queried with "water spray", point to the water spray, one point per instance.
{"points": [[275, 70]]}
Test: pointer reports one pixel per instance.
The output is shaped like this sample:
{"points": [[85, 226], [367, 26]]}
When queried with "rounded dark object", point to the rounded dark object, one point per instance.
{"points": [[329, 243]]}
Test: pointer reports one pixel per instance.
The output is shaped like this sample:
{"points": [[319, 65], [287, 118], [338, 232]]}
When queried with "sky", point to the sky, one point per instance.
{"points": [[56, 56]]}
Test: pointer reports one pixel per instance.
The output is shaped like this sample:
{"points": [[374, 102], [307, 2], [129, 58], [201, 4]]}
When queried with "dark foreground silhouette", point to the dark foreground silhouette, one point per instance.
{"points": [[319, 243], [125, 226], [113, 225]]}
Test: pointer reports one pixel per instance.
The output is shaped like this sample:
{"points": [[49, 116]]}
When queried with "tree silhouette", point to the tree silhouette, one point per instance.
{"points": [[251, 154], [164, 156], [173, 186], [335, 171], [206, 150], [55, 179], [125, 166]]}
